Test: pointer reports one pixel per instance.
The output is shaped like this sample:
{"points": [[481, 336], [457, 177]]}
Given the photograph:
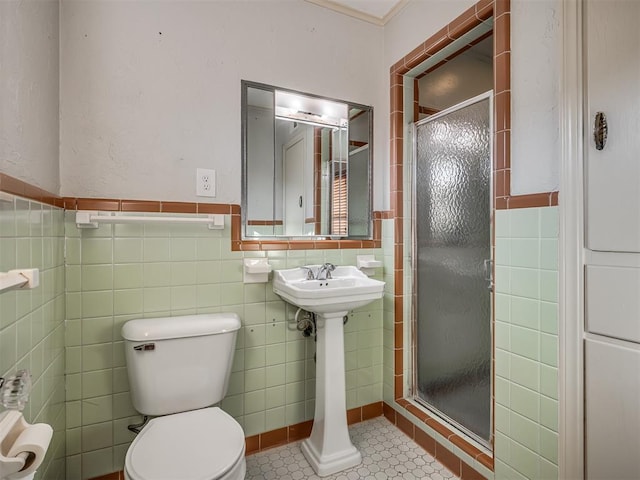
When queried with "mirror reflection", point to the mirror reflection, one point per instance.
{"points": [[306, 165]]}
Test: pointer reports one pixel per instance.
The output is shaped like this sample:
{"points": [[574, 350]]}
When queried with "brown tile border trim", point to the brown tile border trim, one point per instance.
{"points": [[431, 445], [293, 433], [19, 188], [150, 206], [473, 16], [284, 435], [503, 199], [266, 245], [110, 476], [237, 244], [382, 215], [465, 22], [547, 199], [266, 223]]}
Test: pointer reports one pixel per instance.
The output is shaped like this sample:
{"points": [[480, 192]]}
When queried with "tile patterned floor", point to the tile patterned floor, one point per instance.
{"points": [[387, 454]]}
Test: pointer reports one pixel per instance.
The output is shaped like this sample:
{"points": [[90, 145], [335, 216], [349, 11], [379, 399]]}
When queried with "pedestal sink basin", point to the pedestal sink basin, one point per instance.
{"points": [[329, 448], [348, 288]]}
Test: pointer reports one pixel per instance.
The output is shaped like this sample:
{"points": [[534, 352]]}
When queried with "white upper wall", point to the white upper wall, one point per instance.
{"points": [[150, 91], [29, 92], [416, 22], [535, 96], [535, 75]]}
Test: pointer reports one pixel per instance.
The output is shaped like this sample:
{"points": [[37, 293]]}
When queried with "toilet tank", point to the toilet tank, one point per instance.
{"points": [[176, 364]]}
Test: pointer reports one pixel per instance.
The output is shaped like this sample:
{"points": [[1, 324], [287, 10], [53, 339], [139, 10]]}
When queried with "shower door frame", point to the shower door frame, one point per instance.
{"points": [[413, 391]]}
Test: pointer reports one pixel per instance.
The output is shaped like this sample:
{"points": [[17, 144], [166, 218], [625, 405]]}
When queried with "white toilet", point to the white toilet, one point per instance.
{"points": [[178, 367]]}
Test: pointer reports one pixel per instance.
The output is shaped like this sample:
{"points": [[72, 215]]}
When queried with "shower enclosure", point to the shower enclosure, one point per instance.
{"points": [[452, 265]]}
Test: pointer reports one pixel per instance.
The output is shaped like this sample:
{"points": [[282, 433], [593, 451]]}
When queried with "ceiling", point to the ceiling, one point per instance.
{"points": [[377, 12]]}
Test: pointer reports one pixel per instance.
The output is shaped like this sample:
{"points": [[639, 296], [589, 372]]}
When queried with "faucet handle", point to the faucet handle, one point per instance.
{"points": [[324, 272], [330, 268], [311, 274]]}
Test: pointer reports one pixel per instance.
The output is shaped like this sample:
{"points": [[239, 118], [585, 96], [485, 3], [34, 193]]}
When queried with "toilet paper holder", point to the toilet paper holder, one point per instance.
{"points": [[22, 445]]}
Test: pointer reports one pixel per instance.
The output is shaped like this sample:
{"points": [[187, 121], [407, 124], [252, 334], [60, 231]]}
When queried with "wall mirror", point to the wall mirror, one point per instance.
{"points": [[306, 165]]}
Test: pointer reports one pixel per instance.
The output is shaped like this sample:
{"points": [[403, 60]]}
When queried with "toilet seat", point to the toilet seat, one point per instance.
{"points": [[201, 444]]}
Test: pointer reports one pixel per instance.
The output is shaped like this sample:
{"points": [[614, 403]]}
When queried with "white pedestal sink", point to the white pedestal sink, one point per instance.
{"points": [[329, 448]]}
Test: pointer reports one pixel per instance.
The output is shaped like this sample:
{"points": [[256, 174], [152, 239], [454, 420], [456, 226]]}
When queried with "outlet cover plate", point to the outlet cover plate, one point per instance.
{"points": [[205, 182]]}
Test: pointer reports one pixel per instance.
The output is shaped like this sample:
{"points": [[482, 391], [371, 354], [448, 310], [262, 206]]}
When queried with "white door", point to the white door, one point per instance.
{"points": [[612, 240], [612, 394], [613, 88], [293, 155]]}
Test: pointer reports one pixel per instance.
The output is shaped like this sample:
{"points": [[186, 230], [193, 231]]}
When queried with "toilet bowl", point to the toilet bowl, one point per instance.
{"points": [[178, 367], [205, 444]]}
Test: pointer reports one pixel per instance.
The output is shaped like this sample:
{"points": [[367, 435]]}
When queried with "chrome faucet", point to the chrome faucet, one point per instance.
{"points": [[311, 274], [324, 272]]}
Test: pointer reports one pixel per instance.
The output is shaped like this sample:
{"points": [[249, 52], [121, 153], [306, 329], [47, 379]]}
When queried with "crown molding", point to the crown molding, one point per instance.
{"points": [[343, 9]]}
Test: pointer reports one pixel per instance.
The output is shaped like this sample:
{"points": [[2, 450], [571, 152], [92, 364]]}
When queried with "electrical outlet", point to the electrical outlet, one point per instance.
{"points": [[205, 182]]}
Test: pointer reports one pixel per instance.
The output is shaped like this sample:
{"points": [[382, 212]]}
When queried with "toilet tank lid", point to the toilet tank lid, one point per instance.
{"points": [[165, 328]]}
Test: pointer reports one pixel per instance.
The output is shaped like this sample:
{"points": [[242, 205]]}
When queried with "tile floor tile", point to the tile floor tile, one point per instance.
{"points": [[387, 454]]}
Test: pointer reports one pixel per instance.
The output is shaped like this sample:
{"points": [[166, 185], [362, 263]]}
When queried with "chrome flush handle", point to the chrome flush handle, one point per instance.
{"points": [[600, 130]]}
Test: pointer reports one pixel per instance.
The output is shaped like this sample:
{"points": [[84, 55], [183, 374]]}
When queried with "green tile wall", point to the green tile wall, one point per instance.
{"points": [[121, 272], [389, 309], [32, 321], [526, 344]]}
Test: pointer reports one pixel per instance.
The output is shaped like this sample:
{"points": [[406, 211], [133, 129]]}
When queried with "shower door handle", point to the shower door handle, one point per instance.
{"points": [[488, 273]]}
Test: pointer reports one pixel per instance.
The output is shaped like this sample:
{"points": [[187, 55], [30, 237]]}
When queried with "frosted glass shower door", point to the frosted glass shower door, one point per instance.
{"points": [[452, 253]]}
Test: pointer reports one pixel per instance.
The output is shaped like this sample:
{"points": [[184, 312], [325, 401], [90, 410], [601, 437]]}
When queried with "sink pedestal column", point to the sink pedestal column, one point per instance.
{"points": [[329, 448]]}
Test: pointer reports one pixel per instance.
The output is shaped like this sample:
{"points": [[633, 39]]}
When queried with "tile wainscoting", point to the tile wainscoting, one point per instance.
{"points": [[95, 280], [124, 271], [526, 343], [32, 321]]}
